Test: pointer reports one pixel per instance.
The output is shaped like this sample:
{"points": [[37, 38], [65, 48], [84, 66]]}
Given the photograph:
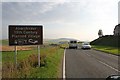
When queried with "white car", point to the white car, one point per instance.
{"points": [[73, 44], [86, 46]]}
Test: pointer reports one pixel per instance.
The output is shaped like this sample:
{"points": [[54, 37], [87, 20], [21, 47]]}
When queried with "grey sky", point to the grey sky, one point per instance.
{"points": [[81, 19], [119, 12]]}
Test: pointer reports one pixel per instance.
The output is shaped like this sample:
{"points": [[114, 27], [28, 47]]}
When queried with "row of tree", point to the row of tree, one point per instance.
{"points": [[116, 31]]}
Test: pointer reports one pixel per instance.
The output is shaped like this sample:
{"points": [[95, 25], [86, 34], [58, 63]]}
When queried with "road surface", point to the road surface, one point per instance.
{"points": [[89, 64]]}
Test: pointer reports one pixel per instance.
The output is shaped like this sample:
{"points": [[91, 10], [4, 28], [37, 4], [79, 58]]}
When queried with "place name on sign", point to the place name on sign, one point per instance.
{"points": [[25, 35]]}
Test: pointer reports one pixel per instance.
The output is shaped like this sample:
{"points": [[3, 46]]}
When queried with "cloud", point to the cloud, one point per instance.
{"points": [[66, 16], [58, 11], [27, 10], [58, 1], [0, 20]]}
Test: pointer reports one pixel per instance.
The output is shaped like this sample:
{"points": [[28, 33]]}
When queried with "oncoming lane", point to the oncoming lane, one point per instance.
{"points": [[89, 64]]}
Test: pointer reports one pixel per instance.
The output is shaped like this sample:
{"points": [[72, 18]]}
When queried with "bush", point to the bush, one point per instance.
{"points": [[33, 60], [9, 70]]}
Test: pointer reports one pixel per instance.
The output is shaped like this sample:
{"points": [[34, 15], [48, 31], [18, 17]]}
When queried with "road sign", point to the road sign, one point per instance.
{"points": [[25, 35]]}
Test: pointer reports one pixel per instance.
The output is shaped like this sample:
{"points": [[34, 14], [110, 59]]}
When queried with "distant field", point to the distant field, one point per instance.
{"points": [[5, 46], [51, 57], [12, 48], [9, 55], [4, 42], [108, 49]]}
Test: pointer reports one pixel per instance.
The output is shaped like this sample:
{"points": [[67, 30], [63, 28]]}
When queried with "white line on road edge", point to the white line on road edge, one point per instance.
{"points": [[64, 65], [106, 64], [109, 66]]}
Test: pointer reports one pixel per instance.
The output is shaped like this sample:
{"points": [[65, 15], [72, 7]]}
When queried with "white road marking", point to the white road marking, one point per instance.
{"points": [[104, 63], [64, 65], [88, 55], [109, 66]]}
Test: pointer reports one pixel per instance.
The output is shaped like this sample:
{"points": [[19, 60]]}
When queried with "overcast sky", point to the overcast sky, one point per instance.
{"points": [[80, 19]]}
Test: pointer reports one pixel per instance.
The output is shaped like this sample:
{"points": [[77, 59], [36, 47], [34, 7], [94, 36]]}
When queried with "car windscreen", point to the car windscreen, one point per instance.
{"points": [[85, 43]]}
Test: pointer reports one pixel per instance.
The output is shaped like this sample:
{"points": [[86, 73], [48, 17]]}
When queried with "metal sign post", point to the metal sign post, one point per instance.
{"points": [[15, 56], [38, 55]]}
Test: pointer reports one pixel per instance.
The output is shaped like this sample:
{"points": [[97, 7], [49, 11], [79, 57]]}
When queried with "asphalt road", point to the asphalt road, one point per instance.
{"points": [[89, 64]]}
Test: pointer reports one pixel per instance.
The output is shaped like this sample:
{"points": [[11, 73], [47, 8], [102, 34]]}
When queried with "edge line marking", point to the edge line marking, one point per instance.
{"points": [[64, 65]]}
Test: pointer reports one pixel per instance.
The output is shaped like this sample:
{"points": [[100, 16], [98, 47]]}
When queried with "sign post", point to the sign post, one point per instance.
{"points": [[38, 55], [15, 56], [20, 35]]}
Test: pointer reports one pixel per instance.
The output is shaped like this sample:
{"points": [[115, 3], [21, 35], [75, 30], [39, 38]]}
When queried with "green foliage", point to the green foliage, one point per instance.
{"points": [[51, 70], [9, 56], [108, 49], [28, 63], [66, 45], [108, 40], [100, 33]]}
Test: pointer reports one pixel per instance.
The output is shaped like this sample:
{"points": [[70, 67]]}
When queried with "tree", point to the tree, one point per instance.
{"points": [[100, 33]]}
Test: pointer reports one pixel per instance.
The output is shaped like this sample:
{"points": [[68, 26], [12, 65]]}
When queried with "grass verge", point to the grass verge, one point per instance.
{"points": [[27, 61], [107, 49], [51, 70]]}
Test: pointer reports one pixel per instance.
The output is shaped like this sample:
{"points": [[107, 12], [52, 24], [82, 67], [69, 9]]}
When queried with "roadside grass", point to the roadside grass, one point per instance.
{"points": [[108, 49], [0, 57], [52, 67], [9, 56], [27, 63], [0, 64]]}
